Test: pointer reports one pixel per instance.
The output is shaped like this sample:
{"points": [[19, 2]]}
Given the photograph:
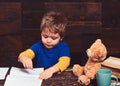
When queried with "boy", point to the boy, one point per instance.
{"points": [[52, 52]]}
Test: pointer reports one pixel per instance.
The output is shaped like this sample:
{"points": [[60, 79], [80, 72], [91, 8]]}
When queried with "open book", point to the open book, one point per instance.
{"points": [[112, 62], [24, 77]]}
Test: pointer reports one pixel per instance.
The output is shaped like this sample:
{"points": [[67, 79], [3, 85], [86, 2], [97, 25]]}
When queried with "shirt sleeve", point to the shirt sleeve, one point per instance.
{"points": [[63, 63], [27, 53]]}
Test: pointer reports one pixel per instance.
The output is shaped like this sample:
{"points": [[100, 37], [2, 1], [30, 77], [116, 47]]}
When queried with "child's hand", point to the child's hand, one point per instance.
{"points": [[46, 74], [27, 62], [49, 72]]}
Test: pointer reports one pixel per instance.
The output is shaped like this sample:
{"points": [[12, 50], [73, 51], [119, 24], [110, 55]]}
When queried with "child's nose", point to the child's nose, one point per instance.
{"points": [[49, 39]]}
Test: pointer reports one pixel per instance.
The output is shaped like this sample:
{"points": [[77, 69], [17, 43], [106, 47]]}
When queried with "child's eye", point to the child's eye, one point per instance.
{"points": [[54, 38], [45, 36]]}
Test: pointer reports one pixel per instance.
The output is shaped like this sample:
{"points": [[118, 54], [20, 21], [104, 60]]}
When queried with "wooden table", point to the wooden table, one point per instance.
{"points": [[66, 78]]}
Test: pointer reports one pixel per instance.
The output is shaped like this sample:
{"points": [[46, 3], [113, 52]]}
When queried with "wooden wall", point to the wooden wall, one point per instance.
{"points": [[10, 33], [19, 28]]}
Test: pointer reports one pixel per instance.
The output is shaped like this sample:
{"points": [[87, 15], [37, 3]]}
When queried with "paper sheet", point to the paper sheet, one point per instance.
{"points": [[35, 72], [3, 72], [23, 77], [13, 80]]}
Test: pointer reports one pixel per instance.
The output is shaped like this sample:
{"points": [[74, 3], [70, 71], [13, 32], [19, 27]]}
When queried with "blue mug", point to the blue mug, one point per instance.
{"points": [[104, 77]]}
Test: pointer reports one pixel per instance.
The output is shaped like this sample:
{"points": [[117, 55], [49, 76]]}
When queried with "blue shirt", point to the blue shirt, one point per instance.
{"points": [[49, 57]]}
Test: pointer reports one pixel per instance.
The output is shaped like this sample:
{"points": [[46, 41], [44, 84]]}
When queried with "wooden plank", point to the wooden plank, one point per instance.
{"points": [[78, 13], [10, 17]]}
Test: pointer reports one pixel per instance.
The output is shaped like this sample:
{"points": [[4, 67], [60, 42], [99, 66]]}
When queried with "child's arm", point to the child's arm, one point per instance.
{"points": [[63, 63], [60, 66], [26, 58]]}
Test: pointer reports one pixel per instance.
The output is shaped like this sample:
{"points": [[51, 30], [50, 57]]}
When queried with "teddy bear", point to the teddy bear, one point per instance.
{"points": [[96, 54]]}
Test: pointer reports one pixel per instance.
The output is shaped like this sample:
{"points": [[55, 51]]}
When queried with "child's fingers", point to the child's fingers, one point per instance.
{"points": [[24, 64], [30, 66]]}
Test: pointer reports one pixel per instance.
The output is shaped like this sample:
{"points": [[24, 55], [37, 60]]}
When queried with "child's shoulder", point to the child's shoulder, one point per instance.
{"points": [[63, 43]]}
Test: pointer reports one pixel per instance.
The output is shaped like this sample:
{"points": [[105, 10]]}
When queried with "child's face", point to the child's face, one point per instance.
{"points": [[50, 40]]}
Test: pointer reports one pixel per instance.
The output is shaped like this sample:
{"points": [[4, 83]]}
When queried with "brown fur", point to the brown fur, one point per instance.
{"points": [[96, 54]]}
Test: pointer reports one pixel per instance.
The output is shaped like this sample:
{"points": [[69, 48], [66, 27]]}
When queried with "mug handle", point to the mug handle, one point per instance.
{"points": [[115, 77]]}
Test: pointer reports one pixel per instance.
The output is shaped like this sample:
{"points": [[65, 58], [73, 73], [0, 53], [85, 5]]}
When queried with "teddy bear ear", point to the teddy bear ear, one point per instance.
{"points": [[98, 40], [88, 51]]}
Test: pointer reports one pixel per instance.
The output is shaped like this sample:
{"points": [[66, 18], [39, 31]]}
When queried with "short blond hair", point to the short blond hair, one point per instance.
{"points": [[55, 22]]}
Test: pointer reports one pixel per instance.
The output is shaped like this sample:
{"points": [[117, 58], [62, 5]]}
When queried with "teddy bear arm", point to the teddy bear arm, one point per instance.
{"points": [[77, 70]]}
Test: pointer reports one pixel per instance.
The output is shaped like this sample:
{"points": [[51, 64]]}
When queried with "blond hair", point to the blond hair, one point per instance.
{"points": [[54, 22]]}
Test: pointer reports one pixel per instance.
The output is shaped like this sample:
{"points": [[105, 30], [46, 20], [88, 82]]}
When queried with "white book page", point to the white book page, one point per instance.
{"points": [[3, 72], [13, 80], [35, 72], [24, 77]]}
